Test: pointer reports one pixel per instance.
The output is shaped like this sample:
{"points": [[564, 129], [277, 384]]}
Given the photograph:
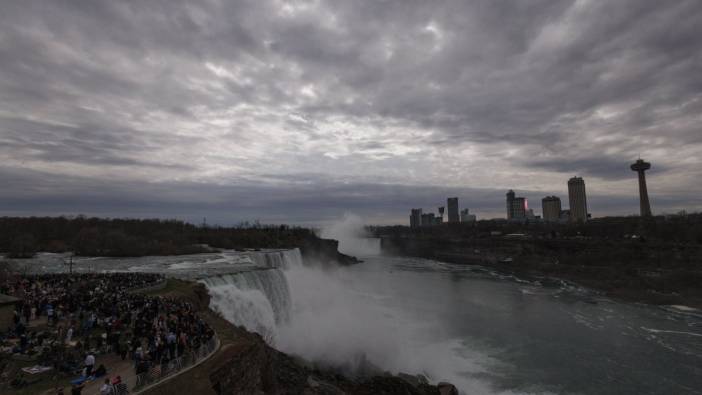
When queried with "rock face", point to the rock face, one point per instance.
{"points": [[256, 368], [325, 251], [245, 364], [447, 388], [658, 273]]}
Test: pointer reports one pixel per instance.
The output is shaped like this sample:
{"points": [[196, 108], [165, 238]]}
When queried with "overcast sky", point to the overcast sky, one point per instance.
{"points": [[300, 111]]}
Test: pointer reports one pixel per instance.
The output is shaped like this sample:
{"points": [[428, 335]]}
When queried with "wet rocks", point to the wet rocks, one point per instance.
{"points": [[447, 388]]}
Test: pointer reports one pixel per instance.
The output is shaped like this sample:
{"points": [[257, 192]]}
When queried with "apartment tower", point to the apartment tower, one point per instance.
{"points": [[452, 204], [551, 208], [577, 199]]}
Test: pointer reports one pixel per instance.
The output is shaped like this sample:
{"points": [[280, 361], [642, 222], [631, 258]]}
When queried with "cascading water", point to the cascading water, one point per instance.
{"points": [[277, 259], [330, 321], [259, 300]]}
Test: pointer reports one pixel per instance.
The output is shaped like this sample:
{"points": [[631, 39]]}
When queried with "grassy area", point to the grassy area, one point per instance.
{"points": [[190, 291], [44, 381]]}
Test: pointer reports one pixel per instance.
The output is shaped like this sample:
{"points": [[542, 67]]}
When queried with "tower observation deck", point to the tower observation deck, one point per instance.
{"points": [[640, 167]]}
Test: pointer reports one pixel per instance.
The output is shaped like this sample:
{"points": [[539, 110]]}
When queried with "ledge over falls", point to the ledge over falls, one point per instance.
{"points": [[325, 250]]}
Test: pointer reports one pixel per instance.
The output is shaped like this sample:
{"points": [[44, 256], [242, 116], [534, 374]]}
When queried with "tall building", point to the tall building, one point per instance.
{"points": [[415, 218], [577, 199], [510, 203], [551, 208], [516, 206], [520, 207], [640, 167], [428, 219], [466, 216], [452, 204]]}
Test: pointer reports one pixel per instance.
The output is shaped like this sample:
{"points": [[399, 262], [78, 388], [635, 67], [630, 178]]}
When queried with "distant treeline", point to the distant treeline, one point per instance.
{"points": [[682, 228], [23, 236]]}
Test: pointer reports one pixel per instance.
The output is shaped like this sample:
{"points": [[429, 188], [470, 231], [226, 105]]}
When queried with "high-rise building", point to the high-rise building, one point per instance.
{"points": [[415, 218], [577, 199], [428, 219], [516, 206], [452, 204], [510, 203], [551, 208], [640, 167], [520, 207], [466, 216]]}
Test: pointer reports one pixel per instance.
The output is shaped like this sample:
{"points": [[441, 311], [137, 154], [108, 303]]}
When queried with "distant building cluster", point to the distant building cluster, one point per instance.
{"points": [[518, 207], [466, 216], [551, 209], [419, 218]]}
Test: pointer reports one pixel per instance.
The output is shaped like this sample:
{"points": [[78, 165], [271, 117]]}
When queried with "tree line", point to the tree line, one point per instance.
{"points": [[22, 237], [681, 228]]}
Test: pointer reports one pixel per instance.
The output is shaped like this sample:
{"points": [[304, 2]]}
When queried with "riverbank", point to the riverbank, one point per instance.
{"points": [[635, 271]]}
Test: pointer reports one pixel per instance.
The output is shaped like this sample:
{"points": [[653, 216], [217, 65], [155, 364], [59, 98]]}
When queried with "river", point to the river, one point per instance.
{"points": [[487, 333]]}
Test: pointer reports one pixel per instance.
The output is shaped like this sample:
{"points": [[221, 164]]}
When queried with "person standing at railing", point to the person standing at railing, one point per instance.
{"points": [[171, 342], [119, 387]]}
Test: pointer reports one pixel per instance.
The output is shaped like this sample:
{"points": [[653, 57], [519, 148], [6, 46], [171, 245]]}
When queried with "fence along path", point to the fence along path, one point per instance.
{"points": [[159, 373]]}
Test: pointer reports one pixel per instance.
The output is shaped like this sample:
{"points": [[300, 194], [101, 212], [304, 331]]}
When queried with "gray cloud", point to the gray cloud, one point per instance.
{"points": [[375, 106]]}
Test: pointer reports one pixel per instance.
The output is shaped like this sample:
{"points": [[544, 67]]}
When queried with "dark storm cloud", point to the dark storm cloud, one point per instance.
{"points": [[337, 105], [603, 167], [313, 203]]}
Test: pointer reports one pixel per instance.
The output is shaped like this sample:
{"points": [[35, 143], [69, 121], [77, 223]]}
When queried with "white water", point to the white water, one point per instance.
{"points": [[336, 319], [329, 321], [336, 324], [352, 237], [259, 300]]}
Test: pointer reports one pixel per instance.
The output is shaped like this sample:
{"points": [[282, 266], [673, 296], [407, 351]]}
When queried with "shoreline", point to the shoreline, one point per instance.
{"points": [[535, 273], [646, 272]]}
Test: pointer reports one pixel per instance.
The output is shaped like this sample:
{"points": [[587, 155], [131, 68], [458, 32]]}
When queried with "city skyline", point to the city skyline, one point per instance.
{"points": [[517, 208], [297, 112]]}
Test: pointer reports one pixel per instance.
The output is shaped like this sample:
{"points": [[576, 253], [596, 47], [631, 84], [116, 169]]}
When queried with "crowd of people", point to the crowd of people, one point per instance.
{"points": [[69, 321]]}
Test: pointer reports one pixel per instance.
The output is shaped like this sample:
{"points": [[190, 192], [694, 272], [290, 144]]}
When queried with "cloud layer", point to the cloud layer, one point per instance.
{"points": [[298, 111]]}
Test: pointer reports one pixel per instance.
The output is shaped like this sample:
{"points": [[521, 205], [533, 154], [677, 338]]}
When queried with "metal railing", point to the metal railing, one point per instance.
{"points": [[158, 373]]}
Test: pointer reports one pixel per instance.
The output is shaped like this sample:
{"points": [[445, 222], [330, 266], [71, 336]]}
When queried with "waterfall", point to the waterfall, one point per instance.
{"points": [[278, 259], [259, 300]]}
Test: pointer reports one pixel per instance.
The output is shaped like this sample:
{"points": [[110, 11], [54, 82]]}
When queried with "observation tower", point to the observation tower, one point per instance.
{"points": [[640, 167]]}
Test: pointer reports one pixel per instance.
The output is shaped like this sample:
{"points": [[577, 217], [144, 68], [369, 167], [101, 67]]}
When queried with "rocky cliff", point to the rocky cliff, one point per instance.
{"points": [[635, 269], [324, 251]]}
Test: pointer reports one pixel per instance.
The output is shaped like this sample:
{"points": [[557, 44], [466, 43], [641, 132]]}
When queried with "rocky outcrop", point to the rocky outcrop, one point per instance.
{"points": [[324, 251], [447, 388]]}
